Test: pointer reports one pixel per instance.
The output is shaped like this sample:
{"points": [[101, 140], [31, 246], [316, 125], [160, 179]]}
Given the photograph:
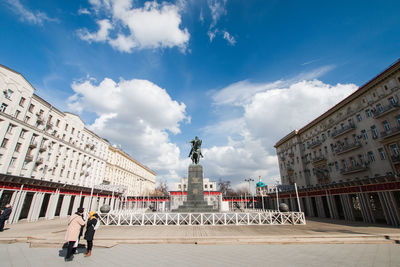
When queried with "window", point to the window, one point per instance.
{"points": [[3, 107], [374, 131], [395, 150], [66, 126], [12, 161], [382, 153], [4, 143], [24, 165], [368, 113], [8, 93], [344, 164], [10, 128], [353, 161], [31, 107], [364, 134], [379, 107], [329, 132], [17, 112], [22, 134], [386, 126], [398, 120], [359, 118], [392, 101], [22, 101], [323, 137], [332, 148], [73, 130], [18, 147], [350, 121], [326, 149], [371, 156], [336, 165], [27, 118], [57, 123]]}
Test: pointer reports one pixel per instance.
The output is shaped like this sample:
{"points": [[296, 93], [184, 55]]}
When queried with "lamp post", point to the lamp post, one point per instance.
{"points": [[249, 181]]}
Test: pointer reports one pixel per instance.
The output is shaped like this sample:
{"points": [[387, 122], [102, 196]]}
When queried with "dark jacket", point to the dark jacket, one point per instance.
{"points": [[5, 214], [90, 229]]}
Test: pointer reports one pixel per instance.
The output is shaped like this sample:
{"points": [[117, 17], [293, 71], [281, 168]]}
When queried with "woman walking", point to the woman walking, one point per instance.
{"points": [[74, 226], [91, 226]]}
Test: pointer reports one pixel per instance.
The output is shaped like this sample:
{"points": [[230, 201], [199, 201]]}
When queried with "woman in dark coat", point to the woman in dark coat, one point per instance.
{"points": [[91, 227]]}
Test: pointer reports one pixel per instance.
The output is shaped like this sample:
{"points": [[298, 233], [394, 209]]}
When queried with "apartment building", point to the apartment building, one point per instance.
{"points": [[122, 169], [348, 158], [50, 163]]}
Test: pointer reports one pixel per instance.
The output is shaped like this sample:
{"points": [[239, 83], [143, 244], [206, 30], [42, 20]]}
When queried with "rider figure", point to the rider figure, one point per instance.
{"points": [[196, 148]]}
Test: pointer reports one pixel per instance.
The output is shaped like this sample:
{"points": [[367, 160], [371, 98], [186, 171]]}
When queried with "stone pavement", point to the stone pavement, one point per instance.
{"points": [[365, 255], [50, 233]]}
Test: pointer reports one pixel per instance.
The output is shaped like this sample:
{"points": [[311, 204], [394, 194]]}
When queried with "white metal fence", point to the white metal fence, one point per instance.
{"points": [[223, 218]]}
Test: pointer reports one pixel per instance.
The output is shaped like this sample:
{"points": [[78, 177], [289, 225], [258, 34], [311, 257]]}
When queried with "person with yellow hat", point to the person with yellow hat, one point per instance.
{"points": [[91, 227]]}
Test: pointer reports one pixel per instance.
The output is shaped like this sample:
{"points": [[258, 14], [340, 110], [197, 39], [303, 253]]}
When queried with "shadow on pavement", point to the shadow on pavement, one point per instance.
{"points": [[63, 251]]}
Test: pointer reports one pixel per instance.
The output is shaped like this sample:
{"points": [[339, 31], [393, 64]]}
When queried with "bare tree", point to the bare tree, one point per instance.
{"points": [[161, 189], [225, 187]]}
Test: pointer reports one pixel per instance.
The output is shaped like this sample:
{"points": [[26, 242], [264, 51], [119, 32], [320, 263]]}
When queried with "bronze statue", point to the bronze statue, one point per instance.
{"points": [[195, 152]]}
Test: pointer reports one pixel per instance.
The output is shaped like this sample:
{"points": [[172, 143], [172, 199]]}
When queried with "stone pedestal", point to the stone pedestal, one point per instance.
{"points": [[195, 195]]}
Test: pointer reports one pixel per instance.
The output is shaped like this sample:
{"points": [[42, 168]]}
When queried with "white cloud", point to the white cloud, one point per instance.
{"points": [[137, 114], [100, 36], [83, 11], [34, 17], [269, 111], [231, 40], [151, 26], [217, 9]]}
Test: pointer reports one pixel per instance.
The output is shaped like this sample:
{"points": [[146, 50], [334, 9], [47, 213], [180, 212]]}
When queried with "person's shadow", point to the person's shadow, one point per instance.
{"points": [[63, 251]]}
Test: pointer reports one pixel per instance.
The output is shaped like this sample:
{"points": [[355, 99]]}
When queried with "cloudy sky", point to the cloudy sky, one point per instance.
{"points": [[151, 75]]}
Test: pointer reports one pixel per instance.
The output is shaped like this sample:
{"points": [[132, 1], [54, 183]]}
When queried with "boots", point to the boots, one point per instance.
{"points": [[88, 253]]}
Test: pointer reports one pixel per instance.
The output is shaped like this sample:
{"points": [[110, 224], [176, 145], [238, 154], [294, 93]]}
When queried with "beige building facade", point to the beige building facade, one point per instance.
{"points": [[122, 169], [39, 141], [50, 163], [353, 144]]}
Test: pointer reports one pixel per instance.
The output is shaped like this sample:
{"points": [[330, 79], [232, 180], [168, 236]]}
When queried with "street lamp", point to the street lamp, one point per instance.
{"points": [[249, 181]]}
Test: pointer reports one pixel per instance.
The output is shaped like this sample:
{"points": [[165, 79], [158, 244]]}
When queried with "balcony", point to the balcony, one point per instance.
{"points": [[393, 131], [49, 125], [33, 144], [318, 159], [42, 148], [314, 144], [354, 169], [28, 158], [343, 130], [395, 158], [39, 120], [347, 148], [385, 110]]}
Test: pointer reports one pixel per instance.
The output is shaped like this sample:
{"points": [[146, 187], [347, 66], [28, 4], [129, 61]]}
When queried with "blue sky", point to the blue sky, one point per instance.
{"points": [[240, 74]]}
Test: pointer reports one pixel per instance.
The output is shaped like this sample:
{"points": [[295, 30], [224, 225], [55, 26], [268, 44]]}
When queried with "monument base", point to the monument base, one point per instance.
{"points": [[195, 195]]}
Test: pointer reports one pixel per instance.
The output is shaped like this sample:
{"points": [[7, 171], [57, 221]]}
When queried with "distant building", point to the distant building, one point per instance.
{"points": [[207, 185], [179, 193], [346, 162], [122, 169]]}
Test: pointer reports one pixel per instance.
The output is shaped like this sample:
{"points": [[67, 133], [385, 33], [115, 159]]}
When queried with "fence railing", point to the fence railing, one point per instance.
{"points": [[218, 218]]}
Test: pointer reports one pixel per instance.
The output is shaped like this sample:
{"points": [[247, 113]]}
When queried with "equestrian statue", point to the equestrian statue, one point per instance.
{"points": [[195, 152]]}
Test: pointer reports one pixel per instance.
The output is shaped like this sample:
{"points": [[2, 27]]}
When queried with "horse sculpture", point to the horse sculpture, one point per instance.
{"points": [[195, 152]]}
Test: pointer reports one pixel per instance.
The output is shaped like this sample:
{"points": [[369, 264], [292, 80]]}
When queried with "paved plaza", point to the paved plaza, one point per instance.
{"points": [[19, 254], [318, 243]]}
